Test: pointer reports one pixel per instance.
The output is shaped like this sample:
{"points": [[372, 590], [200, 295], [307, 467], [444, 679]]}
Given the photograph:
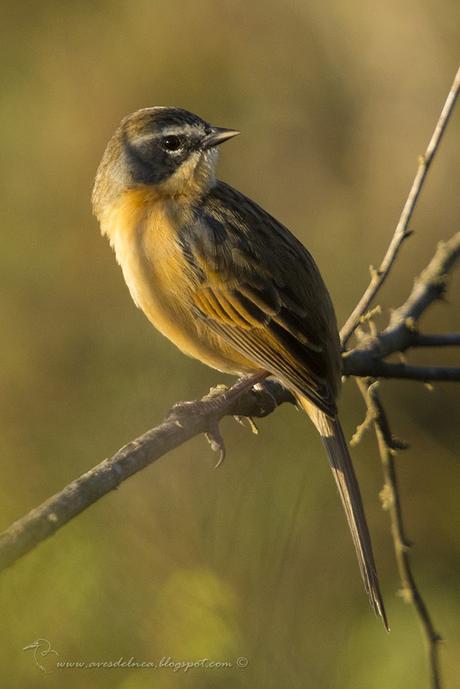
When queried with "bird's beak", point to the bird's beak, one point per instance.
{"points": [[217, 136]]}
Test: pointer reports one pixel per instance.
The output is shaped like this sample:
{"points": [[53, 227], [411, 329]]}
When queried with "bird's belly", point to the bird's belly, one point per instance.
{"points": [[157, 275], [170, 311]]}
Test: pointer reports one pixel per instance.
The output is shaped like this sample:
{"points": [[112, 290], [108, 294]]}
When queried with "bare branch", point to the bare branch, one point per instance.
{"points": [[401, 233], [45, 520], [383, 369], [391, 501], [401, 334], [443, 340]]}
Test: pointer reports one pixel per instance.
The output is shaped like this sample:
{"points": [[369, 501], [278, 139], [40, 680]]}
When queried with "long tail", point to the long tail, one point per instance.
{"points": [[347, 484]]}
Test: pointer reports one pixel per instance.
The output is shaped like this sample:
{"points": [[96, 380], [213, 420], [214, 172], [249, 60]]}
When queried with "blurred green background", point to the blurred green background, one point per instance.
{"points": [[335, 101]]}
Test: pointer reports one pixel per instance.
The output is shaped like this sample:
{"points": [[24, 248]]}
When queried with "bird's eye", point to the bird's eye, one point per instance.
{"points": [[172, 142]]}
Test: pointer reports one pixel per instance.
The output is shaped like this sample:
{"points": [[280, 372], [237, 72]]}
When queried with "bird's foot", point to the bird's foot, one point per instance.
{"points": [[213, 406], [210, 404], [216, 440], [210, 407], [218, 399]]}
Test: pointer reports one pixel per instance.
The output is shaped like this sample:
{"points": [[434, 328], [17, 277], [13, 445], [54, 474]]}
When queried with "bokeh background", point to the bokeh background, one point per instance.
{"points": [[335, 101]]}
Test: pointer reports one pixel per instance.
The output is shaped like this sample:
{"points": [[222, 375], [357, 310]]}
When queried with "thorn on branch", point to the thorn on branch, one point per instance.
{"points": [[411, 324], [386, 497], [362, 428], [406, 594], [393, 443], [375, 274], [376, 311]]}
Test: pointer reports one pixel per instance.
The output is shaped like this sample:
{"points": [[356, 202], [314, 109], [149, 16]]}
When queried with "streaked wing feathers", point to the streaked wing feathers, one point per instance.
{"points": [[254, 305]]}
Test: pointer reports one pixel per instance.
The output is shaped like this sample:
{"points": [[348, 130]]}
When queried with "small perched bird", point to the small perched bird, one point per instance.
{"points": [[224, 280]]}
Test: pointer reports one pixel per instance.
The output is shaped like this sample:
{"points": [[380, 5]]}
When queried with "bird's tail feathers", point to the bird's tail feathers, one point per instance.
{"points": [[347, 484]]}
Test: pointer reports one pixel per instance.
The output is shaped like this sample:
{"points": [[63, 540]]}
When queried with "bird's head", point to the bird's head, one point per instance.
{"points": [[167, 148]]}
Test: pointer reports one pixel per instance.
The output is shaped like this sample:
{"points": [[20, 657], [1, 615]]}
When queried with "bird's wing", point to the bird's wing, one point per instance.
{"points": [[259, 289]]}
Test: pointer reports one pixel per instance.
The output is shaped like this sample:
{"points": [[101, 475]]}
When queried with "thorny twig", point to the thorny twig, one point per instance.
{"points": [[391, 502], [402, 327], [402, 231], [401, 334], [43, 521]]}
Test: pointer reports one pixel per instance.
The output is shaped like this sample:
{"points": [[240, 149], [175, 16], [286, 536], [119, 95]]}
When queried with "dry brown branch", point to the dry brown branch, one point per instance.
{"points": [[401, 333], [391, 502], [402, 231], [443, 340], [42, 522], [428, 374]]}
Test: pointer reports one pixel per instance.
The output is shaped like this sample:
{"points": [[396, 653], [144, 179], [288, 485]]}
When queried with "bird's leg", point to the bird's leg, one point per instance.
{"points": [[213, 405]]}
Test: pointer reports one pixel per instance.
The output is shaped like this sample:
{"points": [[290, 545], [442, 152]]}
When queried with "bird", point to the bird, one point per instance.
{"points": [[226, 282]]}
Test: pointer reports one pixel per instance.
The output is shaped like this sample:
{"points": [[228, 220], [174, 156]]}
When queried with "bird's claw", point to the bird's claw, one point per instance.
{"points": [[213, 407], [183, 410], [215, 439], [247, 422]]}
